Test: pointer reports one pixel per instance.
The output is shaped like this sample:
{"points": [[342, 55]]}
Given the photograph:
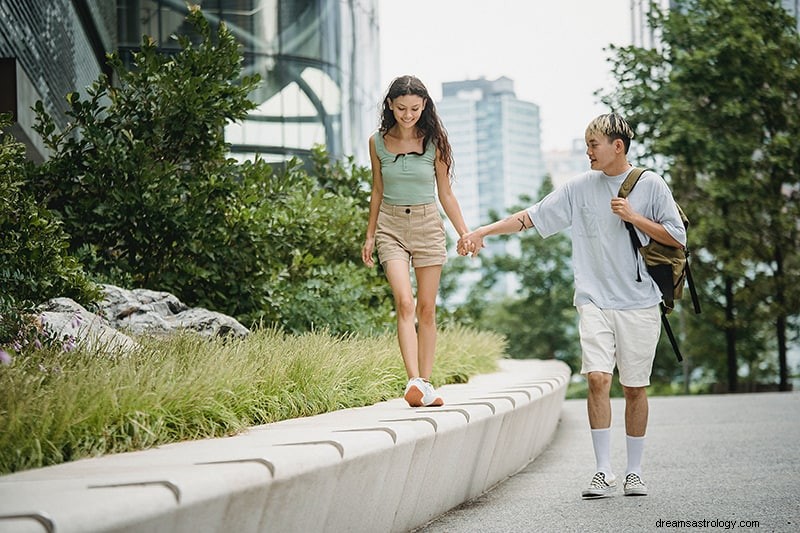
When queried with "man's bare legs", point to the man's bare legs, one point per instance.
{"points": [[599, 405]]}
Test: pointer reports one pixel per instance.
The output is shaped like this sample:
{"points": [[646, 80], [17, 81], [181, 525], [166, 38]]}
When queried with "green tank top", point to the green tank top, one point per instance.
{"points": [[408, 179]]}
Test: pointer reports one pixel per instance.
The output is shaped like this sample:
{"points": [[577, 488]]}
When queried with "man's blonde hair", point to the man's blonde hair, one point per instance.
{"points": [[613, 126]]}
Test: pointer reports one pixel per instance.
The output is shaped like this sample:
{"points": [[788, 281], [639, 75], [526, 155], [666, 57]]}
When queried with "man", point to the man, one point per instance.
{"points": [[619, 316]]}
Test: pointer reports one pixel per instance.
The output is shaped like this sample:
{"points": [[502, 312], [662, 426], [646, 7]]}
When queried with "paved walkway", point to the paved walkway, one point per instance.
{"points": [[714, 462]]}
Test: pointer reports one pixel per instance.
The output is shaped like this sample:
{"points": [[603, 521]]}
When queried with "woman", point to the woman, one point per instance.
{"points": [[412, 161]]}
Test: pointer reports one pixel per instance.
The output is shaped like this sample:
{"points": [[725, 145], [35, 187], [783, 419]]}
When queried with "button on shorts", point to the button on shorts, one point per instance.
{"points": [[412, 233]]}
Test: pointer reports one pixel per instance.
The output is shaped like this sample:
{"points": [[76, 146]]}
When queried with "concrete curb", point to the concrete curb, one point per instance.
{"points": [[385, 467]]}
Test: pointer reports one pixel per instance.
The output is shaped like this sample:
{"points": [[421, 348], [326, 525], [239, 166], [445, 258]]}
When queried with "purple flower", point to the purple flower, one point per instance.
{"points": [[69, 344], [5, 357]]}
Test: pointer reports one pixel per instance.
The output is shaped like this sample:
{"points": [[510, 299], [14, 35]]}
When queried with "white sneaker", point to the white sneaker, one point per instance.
{"points": [[420, 393], [431, 399], [415, 391], [600, 487]]}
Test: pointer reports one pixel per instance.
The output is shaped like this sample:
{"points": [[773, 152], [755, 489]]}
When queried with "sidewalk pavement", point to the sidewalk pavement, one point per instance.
{"points": [[711, 463]]}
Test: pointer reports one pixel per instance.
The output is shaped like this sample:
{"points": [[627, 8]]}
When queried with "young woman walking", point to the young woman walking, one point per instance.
{"points": [[412, 163]]}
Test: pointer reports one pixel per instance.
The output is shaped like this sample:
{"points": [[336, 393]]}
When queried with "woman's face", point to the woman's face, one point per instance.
{"points": [[407, 109]]}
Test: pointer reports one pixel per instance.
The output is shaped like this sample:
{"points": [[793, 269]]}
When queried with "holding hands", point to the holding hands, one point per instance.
{"points": [[470, 244]]}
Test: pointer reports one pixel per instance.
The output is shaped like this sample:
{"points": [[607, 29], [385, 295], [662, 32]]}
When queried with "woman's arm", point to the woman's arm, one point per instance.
{"points": [[374, 205], [448, 199]]}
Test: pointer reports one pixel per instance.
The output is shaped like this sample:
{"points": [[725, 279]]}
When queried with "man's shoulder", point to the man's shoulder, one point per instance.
{"points": [[579, 180]]}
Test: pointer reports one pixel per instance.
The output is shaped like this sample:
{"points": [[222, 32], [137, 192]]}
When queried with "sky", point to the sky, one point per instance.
{"points": [[552, 49]]}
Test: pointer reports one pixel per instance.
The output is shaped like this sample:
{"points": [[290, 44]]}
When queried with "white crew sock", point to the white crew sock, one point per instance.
{"points": [[601, 440], [635, 452]]}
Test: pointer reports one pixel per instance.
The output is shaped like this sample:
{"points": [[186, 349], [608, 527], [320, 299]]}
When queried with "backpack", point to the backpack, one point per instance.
{"points": [[667, 265]]}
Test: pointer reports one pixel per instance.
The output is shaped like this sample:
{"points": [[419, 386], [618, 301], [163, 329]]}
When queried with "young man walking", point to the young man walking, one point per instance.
{"points": [[616, 299]]}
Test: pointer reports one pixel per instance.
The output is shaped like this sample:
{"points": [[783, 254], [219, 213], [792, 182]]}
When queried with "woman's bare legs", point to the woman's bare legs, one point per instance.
{"points": [[400, 281], [427, 289]]}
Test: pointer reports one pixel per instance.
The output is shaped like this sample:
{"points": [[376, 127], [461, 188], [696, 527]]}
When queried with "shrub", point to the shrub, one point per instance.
{"points": [[34, 262]]}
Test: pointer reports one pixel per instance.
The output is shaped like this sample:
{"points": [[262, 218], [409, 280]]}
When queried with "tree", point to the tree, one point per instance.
{"points": [[539, 321], [141, 177], [718, 100]]}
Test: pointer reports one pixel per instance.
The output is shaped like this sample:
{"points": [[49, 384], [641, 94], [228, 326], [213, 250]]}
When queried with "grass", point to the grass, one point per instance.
{"points": [[62, 406]]}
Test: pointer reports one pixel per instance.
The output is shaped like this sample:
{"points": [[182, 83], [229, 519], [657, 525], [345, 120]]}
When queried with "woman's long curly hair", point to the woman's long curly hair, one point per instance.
{"points": [[429, 122]]}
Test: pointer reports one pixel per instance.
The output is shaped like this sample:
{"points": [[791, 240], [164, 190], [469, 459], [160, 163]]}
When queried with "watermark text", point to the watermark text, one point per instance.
{"points": [[706, 523]]}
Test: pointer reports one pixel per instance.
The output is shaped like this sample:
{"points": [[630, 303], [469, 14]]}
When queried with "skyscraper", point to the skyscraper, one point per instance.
{"points": [[496, 141]]}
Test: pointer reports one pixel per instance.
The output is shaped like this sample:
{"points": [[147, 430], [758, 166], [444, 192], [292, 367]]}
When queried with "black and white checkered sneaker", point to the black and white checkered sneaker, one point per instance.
{"points": [[600, 487], [634, 486]]}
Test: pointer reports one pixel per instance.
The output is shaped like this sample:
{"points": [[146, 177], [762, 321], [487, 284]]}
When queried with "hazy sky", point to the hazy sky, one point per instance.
{"points": [[552, 49]]}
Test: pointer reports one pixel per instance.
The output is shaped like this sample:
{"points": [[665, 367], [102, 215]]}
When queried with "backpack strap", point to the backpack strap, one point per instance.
{"points": [[624, 190], [630, 181], [668, 329]]}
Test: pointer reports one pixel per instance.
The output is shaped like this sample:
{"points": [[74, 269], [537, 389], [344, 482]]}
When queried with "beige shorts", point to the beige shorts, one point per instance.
{"points": [[412, 233], [625, 338]]}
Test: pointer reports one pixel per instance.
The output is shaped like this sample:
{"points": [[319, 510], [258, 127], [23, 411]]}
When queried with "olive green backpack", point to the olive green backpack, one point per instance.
{"points": [[667, 265]]}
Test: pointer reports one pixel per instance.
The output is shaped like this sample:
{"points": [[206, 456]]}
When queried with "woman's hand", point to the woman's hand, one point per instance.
{"points": [[470, 244], [367, 251]]}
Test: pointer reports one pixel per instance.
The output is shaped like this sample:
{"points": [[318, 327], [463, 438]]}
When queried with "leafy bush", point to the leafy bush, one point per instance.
{"points": [[141, 177], [145, 188], [34, 262]]}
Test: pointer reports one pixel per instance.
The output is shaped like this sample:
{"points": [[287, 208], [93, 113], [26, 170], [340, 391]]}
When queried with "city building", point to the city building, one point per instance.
{"points": [[48, 49], [793, 7], [562, 165], [318, 60], [496, 141]]}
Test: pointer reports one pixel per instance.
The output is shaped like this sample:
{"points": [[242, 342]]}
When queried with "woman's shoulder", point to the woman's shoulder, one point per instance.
{"points": [[376, 141]]}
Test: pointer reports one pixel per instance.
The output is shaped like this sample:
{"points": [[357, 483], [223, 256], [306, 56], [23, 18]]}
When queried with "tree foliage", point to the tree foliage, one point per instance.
{"points": [[539, 321], [34, 262], [718, 100]]}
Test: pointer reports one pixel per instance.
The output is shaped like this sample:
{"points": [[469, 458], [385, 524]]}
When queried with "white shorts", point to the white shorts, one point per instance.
{"points": [[625, 338]]}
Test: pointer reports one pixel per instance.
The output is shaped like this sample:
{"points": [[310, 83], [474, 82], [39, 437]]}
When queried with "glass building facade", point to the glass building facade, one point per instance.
{"points": [[48, 49], [496, 142], [318, 60]]}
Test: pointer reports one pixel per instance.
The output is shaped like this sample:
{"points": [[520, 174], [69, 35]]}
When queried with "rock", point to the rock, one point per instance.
{"points": [[132, 311], [146, 311], [71, 323]]}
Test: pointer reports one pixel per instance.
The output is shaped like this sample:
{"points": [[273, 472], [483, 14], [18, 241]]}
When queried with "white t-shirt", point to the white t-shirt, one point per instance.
{"points": [[604, 261]]}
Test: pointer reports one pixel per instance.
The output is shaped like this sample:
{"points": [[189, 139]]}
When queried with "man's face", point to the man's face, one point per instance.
{"points": [[602, 151]]}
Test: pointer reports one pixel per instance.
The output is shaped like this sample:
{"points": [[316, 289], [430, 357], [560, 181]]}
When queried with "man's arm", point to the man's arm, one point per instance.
{"points": [[621, 207], [473, 242]]}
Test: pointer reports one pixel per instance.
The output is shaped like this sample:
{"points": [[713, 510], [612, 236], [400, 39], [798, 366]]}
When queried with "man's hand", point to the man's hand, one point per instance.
{"points": [[470, 244], [622, 208]]}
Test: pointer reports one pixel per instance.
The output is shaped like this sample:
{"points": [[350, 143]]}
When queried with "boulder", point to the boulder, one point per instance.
{"points": [[138, 311], [72, 323], [147, 311]]}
